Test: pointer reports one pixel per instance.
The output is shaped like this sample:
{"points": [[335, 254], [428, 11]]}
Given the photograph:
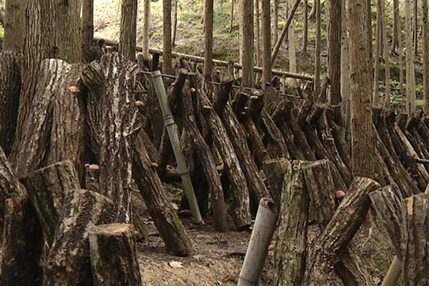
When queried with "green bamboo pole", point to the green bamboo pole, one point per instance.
{"points": [[171, 127]]}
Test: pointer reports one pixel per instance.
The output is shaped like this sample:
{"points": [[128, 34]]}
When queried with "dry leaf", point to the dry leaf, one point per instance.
{"points": [[175, 264]]}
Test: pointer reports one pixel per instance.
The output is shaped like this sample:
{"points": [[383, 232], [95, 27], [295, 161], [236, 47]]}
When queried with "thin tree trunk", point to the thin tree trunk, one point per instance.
{"points": [[305, 36], [334, 52], [291, 46], [425, 42], [378, 37], [208, 37], [266, 40], [396, 28], [246, 42], [174, 23], [410, 79], [258, 49], [362, 130], [14, 26], [415, 27], [276, 20], [87, 25], [345, 61], [317, 52], [146, 27], [386, 55], [167, 64], [127, 33]]}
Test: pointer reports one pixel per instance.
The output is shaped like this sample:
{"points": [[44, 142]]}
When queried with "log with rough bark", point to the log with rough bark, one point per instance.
{"points": [[240, 208], [47, 188], [113, 255], [323, 182], [20, 254], [56, 119], [114, 123], [257, 188], [338, 233], [275, 171], [165, 218], [68, 261], [276, 145], [414, 246], [10, 86], [9, 184], [205, 158], [290, 253], [387, 205]]}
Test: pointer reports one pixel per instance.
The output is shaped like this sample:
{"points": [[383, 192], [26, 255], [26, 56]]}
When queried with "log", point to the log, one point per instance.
{"points": [[338, 233], [206, 160], [9, 184], [257, 104], [56, 119], [257, 146], [414, 244], [10, 87], [223, 95], [20, 255], [275, 171], [240, 208], [290, 253], [257, 188], [276, 145], [113, 255], [386, 203], [114, 123], [47, 188], [165, 218], [68, 261]]}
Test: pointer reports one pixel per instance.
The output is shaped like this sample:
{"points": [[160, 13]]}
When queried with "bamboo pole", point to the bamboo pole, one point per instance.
{"points": [[171, 127]]}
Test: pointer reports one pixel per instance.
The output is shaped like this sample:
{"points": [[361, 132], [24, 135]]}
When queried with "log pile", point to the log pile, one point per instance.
{"points": [[240, 145]]}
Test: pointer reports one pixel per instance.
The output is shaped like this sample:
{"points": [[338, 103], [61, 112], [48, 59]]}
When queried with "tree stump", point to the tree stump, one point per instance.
{"points": [[275, 170], [290, 253], [21, 255], [47, 188], [68, 262], [114, 123], [113, 255]]}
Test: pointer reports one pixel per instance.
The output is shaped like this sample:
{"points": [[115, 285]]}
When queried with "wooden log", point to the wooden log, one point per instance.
{"points": [[414, 244], [313, 140], [47, 188], [255, 140], [57, 113], [113, 255], [68, 262], [20, 254], [316, 112], [165, 218], [240, 104], [10, 87], [113, 123], [339, 135], [290, 253], [9, 184], [339, 232], [386, 203], [206, 160], [304, 111], [223, 95], [275, 171], [256, 185], [257, 103], [240, 208], [276, 145]]}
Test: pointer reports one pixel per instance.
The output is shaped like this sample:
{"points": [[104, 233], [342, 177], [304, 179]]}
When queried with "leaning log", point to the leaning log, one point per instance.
{"points": [[240, 208], [113, 255], [338, 233], [20, 254], [276, 145], [47, 188], [68, 261], [290, 254], [414, 244], [275, 170], [165, 218], [56, 119], [113, 122], [10, 86]]}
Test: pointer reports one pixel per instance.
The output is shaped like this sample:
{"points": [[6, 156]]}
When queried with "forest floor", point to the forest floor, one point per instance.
{"points": [[216, 258]]}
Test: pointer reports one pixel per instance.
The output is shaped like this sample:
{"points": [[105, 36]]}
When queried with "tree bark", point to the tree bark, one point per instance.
{"points": [[146, 26], [56, 120], [10, 86], [240, 208], [208, 37], [114, 255], [166, 220], [246, 42], [47, 188], [266, 40], [87, 24], [113, 122], [275, 170], [361, 113], [425, 42], [167, 66], [68, 262], [128, 29], [290, 255], [14, 27], [21, 255]]}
